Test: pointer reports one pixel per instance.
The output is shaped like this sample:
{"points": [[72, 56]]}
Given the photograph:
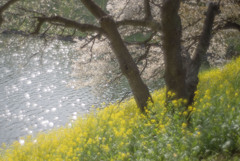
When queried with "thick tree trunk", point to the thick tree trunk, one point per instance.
{"points": [[171, 29], [181, 80], [127, 65]]}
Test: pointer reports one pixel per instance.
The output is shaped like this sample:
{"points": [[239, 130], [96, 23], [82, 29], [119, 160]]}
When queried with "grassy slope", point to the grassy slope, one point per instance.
{"points": [[122, 133]]}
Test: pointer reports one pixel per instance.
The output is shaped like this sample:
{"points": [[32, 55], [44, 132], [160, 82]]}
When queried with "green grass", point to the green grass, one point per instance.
{"points": [[121, 132]]}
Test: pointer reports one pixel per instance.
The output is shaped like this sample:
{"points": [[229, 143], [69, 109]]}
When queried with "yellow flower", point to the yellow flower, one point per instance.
{"points": [[175, 103], [105, 148], [227, 92], [161, 126], [147, 111], [184, 125], [90, 141], [198, 133], [190, 108], [185, 101], [185, 113], [110, 123], [129, 132], [169, 146], [153, 121]]}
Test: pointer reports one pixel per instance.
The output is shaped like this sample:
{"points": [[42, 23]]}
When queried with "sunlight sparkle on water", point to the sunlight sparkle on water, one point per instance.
{"points": [[45, 123], [74, 117], [21, 141], [51, 124], [29, 82], [53, 109], [27, 96]]}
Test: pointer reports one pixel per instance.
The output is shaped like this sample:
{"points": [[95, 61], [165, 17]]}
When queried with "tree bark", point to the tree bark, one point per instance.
{"points": [[181, 80], [171, 30], [127, 65], [201, 50]]}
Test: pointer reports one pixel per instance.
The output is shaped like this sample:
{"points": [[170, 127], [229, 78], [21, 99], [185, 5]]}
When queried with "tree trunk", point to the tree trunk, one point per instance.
{"points": [[183, 82], [171, 29], [127, 65], [201, 50]]}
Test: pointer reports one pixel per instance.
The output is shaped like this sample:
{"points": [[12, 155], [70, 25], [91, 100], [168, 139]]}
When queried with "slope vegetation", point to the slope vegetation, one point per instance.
{"points": [[121, 132]]}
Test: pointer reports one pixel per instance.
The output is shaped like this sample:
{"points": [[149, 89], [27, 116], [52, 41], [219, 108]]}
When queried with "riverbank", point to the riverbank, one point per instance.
{"points": [[121, 132]]}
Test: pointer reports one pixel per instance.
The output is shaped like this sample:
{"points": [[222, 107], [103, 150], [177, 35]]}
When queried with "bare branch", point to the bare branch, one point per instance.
{"points": [[5, 7], [91, 39], [140, 23], [144, 56], [202, 47], [99, 13], [122, 11], [144, 67], [192, 24], [147, 10], [157, 72], [67, 23], [117, 77], [191, 44], [39, 25], [31, 11], [126, 95], [206, 34], [229, 25]]}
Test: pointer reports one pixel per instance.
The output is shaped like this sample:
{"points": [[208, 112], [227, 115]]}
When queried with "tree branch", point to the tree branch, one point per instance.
{"points": [[31, 11], [147, 10], [99, 13], [229, 25], [5, 7], [92, 39], [144, 56], [202, 47], [66, 23], [140, 23], [205, 37], [122, 11], [192, 24]]}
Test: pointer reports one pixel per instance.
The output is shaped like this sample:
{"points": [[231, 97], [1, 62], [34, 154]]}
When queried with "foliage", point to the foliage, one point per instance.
{"points": [[20, 16], [143, 40], [151, 62], [121, 132]]}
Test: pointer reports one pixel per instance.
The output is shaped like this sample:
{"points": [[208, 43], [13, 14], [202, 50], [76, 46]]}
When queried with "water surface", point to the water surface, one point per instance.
{"points": [[35, 94]]}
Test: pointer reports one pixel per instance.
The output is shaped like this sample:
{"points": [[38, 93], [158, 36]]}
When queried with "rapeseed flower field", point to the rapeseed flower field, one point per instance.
{"points": [[120, 132]]}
